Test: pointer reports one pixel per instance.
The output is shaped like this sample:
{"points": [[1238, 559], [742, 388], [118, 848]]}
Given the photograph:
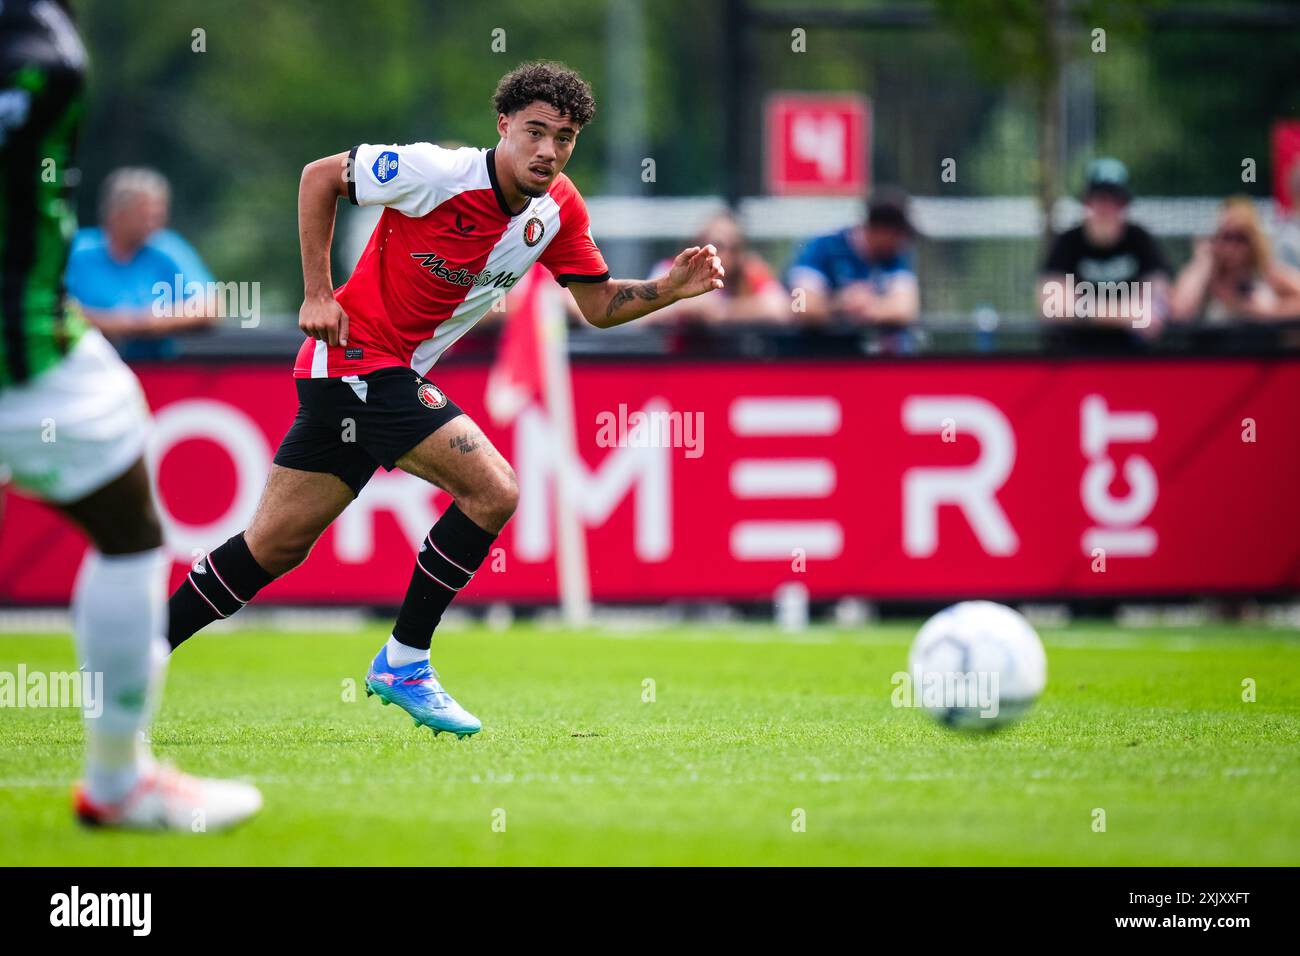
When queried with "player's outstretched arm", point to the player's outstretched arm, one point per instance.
{"points": [[606, 304], [323, 182]]}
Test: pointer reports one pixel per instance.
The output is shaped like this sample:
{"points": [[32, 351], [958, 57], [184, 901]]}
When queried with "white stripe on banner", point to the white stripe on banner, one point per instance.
{"points": [[785, 416], [778, 540], [782, 478]]}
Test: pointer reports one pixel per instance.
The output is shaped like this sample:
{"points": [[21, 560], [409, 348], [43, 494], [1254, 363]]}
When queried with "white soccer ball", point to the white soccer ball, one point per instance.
{"points": [[977, 665]]}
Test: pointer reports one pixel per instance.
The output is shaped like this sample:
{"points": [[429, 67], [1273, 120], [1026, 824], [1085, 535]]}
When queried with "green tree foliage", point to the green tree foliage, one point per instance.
{"points": [[281, 82]]}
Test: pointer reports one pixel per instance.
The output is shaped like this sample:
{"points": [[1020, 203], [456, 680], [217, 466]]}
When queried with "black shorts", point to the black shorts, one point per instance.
{"points": [[350, 426]]}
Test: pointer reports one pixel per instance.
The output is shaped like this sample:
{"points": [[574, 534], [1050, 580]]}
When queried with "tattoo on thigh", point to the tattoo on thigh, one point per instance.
{"points": [[463, 444]]}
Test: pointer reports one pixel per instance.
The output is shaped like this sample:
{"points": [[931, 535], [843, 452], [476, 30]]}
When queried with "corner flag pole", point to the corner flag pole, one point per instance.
{"points": [[571, 540]]}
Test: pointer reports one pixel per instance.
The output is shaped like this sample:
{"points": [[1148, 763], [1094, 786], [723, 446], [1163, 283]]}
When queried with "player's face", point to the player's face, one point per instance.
{"points": [[538, 141]]}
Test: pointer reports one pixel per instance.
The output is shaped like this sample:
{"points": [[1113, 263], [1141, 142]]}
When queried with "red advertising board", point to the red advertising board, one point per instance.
{"points": [[1286, 155], [818, 144], [932, 479]]}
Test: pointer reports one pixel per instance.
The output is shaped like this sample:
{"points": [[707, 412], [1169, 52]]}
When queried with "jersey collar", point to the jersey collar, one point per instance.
{"points": [[496, 187]]}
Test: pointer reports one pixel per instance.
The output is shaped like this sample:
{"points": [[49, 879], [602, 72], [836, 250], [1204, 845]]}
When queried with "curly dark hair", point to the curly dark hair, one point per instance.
{"points": [[552, 83]]}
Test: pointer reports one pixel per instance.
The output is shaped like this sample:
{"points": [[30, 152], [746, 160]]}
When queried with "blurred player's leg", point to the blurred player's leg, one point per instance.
{"points": [[75, 436], [118, 615], [119, 618], [458, 458], [295, 509], [73, 424]]}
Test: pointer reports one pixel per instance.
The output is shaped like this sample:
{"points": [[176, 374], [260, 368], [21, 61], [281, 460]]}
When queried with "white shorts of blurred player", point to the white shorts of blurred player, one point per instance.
{"points": [[75, 427]]}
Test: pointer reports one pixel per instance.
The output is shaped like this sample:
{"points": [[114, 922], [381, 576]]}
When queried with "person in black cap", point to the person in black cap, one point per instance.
{"points": [[863, 275], [1105, 283]]}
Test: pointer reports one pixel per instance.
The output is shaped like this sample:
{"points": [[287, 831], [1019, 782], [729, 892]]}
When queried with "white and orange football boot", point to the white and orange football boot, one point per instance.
{"points": [[166, 799]]}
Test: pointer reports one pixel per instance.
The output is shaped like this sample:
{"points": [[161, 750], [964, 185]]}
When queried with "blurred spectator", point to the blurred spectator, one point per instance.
{"points": [[862, 274], [1288, 233], [1233, 276], [751, 292], [1086, 264], [116, 272]]}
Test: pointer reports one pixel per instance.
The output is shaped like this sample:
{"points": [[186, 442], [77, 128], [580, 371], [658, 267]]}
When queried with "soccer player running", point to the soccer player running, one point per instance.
{"points": [[458, 228], [73, 426]]}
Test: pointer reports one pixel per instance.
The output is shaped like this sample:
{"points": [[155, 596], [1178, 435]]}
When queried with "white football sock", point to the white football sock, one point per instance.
{"points": [[399, 654], [119, 617]]}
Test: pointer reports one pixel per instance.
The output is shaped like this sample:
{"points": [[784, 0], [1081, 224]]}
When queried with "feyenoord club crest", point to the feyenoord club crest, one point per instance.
{"points": [[432, 396], [533, 231]]}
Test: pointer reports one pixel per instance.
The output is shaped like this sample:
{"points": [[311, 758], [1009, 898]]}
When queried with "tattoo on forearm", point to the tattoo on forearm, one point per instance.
{"points": [[648, 291], [463, 444]]}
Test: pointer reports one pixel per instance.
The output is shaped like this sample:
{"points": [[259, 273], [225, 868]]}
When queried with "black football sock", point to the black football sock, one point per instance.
{"points": [[217, 586], [449, 555]]}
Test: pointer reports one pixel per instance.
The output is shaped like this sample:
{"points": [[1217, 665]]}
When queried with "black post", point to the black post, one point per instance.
{"points": [[739, 157]]}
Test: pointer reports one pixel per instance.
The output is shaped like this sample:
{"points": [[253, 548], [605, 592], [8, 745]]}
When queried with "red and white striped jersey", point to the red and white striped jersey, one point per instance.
{"points": [[445, 247]]}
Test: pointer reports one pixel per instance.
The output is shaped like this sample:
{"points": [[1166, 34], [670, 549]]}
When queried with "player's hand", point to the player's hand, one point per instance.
{"points": [[324, 319], [695, 271]]}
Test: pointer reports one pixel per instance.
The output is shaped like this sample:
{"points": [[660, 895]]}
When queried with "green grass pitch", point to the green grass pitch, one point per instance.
{"points": [[748, 727]]}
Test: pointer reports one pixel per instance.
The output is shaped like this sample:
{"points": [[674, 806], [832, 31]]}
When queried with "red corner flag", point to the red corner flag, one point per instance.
{"points": [[532, 368], [518, 376]]}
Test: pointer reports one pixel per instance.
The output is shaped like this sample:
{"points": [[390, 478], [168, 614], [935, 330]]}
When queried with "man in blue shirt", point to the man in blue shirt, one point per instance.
{"points": [[862, 274], [136, 280]]}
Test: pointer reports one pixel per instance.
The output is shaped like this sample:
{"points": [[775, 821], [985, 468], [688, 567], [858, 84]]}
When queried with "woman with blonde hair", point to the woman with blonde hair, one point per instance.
{"points": [[1233, 276], [752, 293]]}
